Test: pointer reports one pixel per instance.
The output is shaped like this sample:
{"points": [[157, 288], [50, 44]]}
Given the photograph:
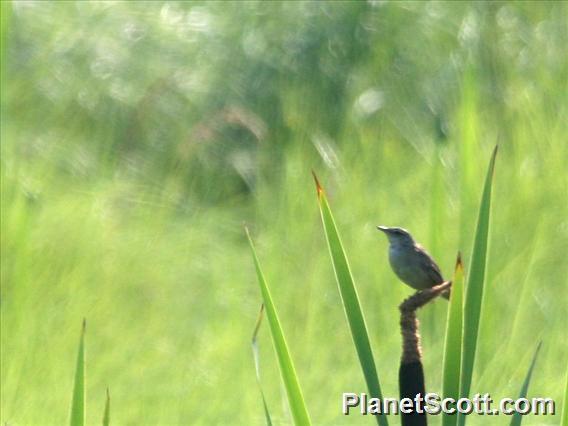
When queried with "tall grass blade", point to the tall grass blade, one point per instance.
{"points": [[106, 415], [256, 357], [474, 288], [517, 417], [78, 402], [350, 299], [293, 391], [564, 418], [452, 350]]}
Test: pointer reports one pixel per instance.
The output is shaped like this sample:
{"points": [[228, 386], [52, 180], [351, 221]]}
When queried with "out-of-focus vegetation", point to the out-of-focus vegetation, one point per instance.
{"points": [[138, 136]]}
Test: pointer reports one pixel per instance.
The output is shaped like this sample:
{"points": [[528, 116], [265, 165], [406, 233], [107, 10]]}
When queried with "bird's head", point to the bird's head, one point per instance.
{"points": [[397, 235]]}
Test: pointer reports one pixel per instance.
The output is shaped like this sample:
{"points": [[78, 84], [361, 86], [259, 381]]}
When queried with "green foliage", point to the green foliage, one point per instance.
{"points": [[518, 418], [137, 136], [78, 397], [256, 357], [475, 286], [293, 391], [106, 414], [564, 418], [350, 300], [452, 347]]}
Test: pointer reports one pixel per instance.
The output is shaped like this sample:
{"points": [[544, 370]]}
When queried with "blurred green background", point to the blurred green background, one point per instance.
{"points": [[137, 137]]}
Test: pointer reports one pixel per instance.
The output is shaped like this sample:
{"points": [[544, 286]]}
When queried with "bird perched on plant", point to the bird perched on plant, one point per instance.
{"points": [[410, 262]]}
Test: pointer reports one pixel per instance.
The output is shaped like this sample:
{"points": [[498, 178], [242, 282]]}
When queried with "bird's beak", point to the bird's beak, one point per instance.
{"points": [[383, 228]]}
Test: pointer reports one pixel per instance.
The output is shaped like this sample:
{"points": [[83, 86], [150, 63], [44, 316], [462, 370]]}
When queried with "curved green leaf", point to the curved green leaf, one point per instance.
{"points": [[287, 370], [78, 402], [106, 415], [350, 300], [474, 287], [564, 418], [452, 350], [256, 357], [517, 417]]}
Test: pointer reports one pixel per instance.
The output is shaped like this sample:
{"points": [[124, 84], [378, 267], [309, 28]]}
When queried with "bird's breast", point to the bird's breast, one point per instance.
{"points": [[407, 267]]}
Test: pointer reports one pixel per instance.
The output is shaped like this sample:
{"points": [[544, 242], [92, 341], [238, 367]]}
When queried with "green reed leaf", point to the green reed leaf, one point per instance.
{"points": [[517, 417], [350, 299], [287, 370], [564, 418], [78, 398], [475, 285], [256, 357], [452, 350], [106, 415]]}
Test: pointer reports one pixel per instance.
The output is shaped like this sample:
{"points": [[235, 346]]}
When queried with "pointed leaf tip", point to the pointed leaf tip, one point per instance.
{"points": [[493, 157], [106, 413], [319, 188], [495, 151], [459, 263], [258, 322]]}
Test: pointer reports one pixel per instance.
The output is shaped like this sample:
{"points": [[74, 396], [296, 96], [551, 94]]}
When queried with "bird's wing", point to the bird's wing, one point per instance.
{"points": [[433, 270]]}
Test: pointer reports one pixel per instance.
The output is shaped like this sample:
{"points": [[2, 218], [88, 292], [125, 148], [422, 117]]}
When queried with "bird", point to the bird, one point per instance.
{"points": [[410, 262]]}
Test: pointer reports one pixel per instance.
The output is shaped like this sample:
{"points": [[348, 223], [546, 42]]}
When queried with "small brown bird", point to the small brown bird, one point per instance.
{"points": [[410, 262]]}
